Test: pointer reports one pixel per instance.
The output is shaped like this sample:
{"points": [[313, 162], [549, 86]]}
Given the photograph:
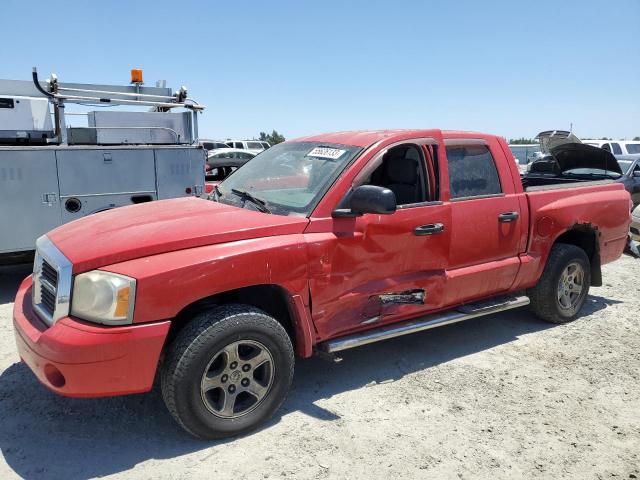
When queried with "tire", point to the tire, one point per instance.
{"points": [[549, 298], [193, 383]]}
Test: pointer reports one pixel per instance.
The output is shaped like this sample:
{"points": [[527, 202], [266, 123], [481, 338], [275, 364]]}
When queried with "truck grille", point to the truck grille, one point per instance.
{"points": [[50, 274], [51, 282], [48, 288]]}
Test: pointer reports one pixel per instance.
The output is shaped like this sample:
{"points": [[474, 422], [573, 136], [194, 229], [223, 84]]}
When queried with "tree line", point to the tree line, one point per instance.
{"points": [[526, 141], [273, 138]]}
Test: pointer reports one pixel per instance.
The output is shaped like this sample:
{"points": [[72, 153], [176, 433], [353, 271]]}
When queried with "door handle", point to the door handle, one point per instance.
{"points": [[429, 229], [49, 198], [508, 217]]}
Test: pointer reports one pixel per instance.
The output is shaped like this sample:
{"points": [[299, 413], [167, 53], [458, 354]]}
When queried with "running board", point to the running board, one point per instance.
{"points": [[465, 312]]}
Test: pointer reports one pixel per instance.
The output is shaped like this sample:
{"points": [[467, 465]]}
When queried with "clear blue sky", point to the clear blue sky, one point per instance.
{"points": [[301, 67]]}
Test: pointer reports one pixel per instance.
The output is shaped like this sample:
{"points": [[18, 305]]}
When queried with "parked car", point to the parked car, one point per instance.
{"points": [[617, 147], [224, 161], [213, 144], [635, 224], [630, 166], [255, 146], [321, 244], [524, 154], [560, 152]]}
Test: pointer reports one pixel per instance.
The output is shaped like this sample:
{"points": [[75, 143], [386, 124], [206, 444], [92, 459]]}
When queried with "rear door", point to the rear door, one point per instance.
{"points": [[486, 220]]}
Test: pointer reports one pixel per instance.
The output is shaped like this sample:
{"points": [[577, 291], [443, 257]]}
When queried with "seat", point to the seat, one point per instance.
{"points": [[402, 178]]}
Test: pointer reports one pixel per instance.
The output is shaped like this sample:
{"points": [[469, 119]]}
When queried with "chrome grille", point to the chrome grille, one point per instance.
{"points": [[51, 282], [49, 274], [48, 300]]}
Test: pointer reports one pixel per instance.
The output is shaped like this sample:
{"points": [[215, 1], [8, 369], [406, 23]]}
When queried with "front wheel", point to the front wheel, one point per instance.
{"points": [[227, 371], [564, 285]]}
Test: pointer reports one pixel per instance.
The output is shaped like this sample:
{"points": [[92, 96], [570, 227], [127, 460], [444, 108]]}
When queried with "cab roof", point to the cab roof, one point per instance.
{"points": [[365, 138]]}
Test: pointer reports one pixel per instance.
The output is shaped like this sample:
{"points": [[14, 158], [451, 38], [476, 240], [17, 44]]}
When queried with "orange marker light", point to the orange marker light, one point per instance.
{"points": [[122, 303], [136, 75]]}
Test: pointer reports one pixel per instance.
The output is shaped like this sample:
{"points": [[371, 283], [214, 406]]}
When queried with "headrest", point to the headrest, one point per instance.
{"points": [[402, 170]]}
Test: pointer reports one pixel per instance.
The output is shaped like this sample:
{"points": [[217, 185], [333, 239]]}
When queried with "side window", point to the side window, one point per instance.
{"points": [[238, 145], [402, 171], [616, 149], [472, 171], [606, 147]]}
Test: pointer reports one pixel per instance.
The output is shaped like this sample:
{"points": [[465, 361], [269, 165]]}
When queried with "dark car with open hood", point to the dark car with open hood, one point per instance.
{"points": [[567, 160]]}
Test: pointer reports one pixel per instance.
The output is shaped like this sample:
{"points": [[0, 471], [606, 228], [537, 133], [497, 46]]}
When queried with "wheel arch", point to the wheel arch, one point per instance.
{"points": [[288, 309], [585, 236]]}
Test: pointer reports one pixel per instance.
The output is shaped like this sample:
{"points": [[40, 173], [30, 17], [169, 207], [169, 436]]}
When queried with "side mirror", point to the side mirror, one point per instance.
{"points": [[372, 199], [636, 174]]}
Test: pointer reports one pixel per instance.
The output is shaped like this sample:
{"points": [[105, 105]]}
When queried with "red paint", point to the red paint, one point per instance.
{"points": [[331, 269], [78, 359]]}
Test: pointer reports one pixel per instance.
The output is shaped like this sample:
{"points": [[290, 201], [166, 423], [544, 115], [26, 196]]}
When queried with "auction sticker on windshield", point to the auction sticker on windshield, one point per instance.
{"points": [[325, 152]]}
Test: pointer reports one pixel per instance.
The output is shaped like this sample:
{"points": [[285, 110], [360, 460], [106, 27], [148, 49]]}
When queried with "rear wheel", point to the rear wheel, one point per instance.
{"points": [[564, 285], [227, 371]]}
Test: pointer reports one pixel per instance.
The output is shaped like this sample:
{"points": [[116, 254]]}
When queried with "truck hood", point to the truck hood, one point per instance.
{"points": [[570, 156], [550, 139], [163, 226]]}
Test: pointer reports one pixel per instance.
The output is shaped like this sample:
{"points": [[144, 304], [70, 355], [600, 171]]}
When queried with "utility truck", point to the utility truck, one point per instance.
{"points": [[52, 173]]}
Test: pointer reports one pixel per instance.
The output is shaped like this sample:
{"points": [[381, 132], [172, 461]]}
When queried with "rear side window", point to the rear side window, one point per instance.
{"points": [[254, 145], [616, 149], [472, 172], [633, 148]]}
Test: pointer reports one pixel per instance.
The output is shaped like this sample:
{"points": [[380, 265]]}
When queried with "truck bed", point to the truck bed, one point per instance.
{"points": [[538, 183]]}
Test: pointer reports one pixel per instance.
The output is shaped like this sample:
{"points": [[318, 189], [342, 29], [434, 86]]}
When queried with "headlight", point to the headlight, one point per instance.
{"points": [[103, 297]]}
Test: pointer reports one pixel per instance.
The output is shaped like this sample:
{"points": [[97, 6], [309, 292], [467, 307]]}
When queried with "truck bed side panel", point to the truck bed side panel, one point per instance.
{"points": [[605, 208]]}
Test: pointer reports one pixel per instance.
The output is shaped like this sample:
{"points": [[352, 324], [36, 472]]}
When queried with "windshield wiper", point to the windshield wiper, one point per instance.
{"points": [[605, 174], [216, 194], [261, 204]]}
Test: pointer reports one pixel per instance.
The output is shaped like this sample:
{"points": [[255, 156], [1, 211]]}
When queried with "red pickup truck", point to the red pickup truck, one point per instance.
{"points": [[316, 245]]}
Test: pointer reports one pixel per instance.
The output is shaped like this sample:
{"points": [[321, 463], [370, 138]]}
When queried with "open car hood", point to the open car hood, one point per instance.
{"points": [[569, 156], [550, 139]]}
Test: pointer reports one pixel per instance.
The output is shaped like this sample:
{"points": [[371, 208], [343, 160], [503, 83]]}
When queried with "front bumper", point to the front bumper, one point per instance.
{"points": [[79, 359]]}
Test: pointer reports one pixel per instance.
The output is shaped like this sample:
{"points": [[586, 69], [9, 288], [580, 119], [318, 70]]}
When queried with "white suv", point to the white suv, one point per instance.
{"points": [[617, 147], [255, 146]]}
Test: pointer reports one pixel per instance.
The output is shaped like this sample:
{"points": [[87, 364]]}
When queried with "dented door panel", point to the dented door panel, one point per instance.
{"points": [[375, 269]]}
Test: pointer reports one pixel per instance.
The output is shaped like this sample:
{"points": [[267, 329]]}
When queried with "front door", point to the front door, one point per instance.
{"points": [[377, 269]]}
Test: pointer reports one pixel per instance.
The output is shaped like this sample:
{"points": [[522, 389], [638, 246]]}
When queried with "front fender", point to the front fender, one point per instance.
{"points": [[169, 282]]}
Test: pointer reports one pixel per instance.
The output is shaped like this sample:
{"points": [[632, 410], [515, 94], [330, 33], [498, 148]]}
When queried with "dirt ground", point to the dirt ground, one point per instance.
{"points": [[504, 396]]}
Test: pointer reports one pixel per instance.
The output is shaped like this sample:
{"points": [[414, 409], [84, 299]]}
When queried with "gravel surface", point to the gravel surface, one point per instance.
{"points": [[505, 396]]}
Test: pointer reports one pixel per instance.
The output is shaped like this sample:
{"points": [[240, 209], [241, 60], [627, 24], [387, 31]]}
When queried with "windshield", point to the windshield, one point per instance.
{"points": [[625, 165], [633, 147], [591, 172], [289, 178]]}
